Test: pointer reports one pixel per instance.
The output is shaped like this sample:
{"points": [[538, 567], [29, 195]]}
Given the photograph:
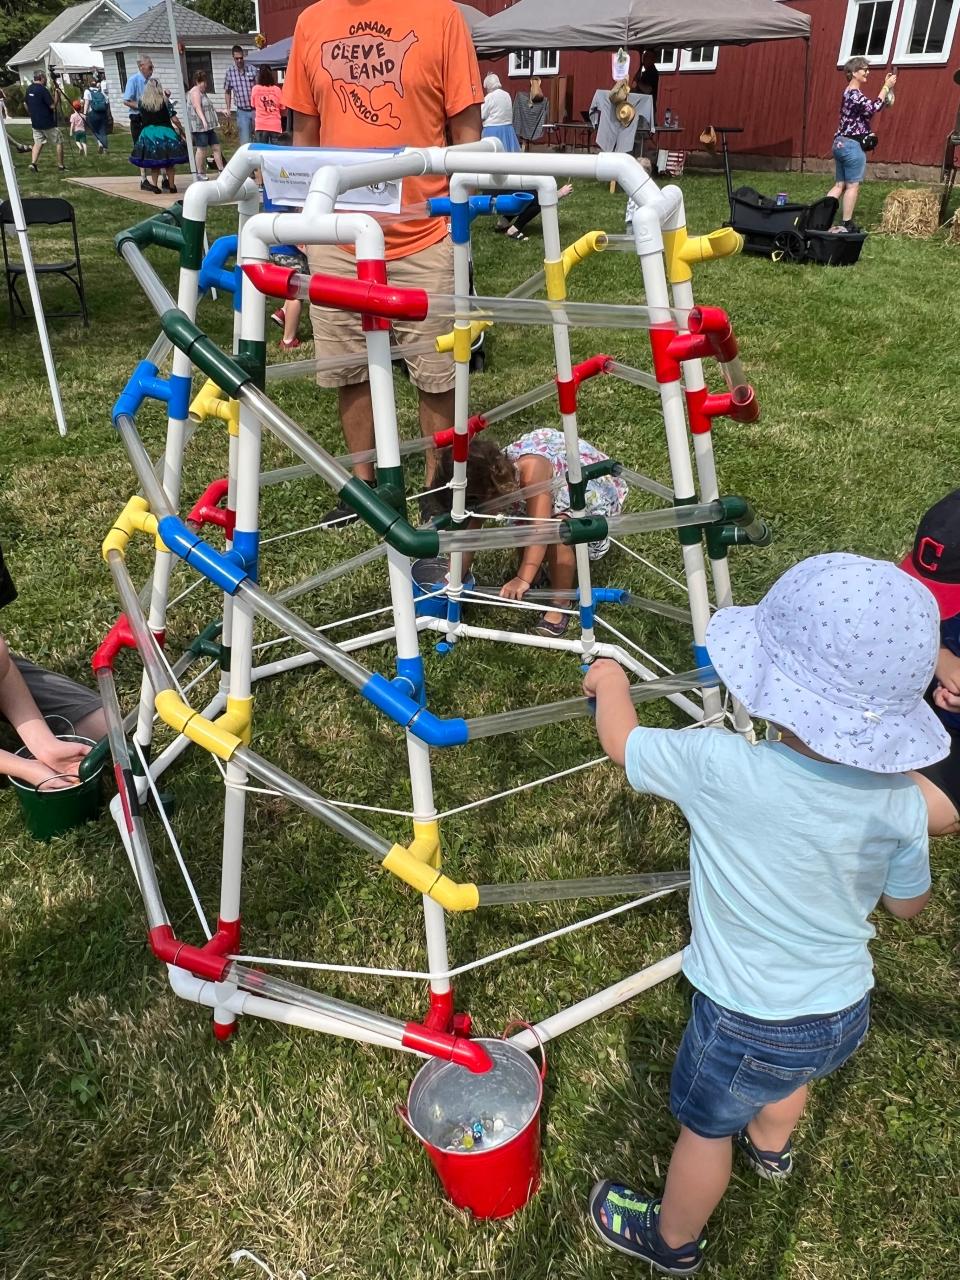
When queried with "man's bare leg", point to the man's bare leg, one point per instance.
{"points": [[356, 420], [436, 414]]}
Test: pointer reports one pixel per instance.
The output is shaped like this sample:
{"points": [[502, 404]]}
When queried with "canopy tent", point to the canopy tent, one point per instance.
{"points": [[278, 53], [608, 24], [75, 57]]}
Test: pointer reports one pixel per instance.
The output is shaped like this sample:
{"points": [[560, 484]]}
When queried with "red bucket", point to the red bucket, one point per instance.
{"points": [[482, 1132]]}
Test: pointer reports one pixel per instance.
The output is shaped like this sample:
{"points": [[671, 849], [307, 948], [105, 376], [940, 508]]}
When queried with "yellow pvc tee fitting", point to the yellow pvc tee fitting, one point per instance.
{"points": [[173, 711], [135, 517], [682, 250], [447, 342], [210, 402]]}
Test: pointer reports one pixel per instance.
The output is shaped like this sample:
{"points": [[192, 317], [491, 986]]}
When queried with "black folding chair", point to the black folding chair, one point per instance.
{"points": [[47, 211]]}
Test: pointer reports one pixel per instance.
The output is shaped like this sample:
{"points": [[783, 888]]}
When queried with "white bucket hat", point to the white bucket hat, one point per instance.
{"points": [[840, 650]]}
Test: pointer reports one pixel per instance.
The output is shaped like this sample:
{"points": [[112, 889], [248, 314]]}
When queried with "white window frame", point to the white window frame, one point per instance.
{"points": [[543, 62], [687, 63], [905, 57], [849, 26], [670, 64]]}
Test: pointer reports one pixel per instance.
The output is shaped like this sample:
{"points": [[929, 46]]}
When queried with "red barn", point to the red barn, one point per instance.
{"points": [[761, 86]]}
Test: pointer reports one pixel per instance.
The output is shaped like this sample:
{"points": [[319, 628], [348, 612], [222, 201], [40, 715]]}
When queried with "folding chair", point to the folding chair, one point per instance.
{"points": [[47, 211]]}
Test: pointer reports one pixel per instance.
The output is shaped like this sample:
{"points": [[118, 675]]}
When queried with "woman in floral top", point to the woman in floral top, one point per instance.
{"points": [[856, 113]]}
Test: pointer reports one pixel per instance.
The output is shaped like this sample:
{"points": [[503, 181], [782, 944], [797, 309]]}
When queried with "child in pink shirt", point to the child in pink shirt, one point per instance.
{"points": [[266, 100], [78, 127]]}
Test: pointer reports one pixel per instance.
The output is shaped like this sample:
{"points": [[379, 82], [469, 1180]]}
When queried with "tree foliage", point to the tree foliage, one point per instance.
{"points": [[238, 15], [20, 22]]}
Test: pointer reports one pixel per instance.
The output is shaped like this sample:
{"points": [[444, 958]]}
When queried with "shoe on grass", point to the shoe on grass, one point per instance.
{"points": [[33, 168], [774, 1166], [289, 344], [629, 1223]]}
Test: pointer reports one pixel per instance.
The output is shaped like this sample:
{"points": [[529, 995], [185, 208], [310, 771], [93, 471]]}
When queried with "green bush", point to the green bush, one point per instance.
{"points": [[13, 95]]}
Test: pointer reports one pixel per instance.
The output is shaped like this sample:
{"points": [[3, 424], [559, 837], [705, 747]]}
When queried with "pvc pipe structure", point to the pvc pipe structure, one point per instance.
{"points": [[501, 895], [575, 708], [593, 1006], [26, 254]]}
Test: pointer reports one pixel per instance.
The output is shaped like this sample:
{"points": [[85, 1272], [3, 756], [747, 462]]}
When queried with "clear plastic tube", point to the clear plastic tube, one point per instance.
{"points": [[285, 429], [329, 654], [547, 532], [529, 398], [300, 794], [330, 575], [265, 984], [636, 481], [143, 465], [158, 353], [575, 708], [638, 377], [541, 311], [495, 895], [158, 295], [146, 640], [301, 368]]}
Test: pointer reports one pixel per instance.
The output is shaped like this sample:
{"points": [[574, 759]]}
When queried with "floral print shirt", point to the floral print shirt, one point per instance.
{"points": [[856, 112]]}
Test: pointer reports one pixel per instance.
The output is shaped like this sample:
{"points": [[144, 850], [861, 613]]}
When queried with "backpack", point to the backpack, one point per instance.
{"points": [[97, 100]]}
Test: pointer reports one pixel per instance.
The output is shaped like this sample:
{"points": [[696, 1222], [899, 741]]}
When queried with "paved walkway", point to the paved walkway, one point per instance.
{"points": [[129, 189]]}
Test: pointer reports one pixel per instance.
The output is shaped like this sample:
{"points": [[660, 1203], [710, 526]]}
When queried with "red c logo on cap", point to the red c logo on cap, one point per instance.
{"points": [[937, 551]]}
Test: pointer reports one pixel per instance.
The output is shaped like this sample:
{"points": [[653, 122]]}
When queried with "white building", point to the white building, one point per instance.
{"points": [[204, 44], [76, 29]]}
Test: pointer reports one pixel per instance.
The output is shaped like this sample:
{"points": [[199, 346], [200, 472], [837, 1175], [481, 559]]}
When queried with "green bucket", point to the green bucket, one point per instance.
{"points": [[48, 813]]}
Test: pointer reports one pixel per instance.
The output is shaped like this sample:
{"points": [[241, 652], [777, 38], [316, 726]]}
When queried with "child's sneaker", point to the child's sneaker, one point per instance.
{"points": [[774, 1166], [629, 1223]]}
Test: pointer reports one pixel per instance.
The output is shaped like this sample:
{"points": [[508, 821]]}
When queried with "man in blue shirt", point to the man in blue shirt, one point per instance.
{"points": [[237, 84], [131, 100], [43, 117]]}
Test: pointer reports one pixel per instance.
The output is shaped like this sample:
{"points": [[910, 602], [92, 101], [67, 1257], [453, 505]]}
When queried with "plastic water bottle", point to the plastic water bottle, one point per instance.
{"points": [[781, 199]]}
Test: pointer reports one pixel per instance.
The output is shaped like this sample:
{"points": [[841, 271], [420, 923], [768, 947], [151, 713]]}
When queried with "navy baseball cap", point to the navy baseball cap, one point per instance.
{"points": [[935, 558]]}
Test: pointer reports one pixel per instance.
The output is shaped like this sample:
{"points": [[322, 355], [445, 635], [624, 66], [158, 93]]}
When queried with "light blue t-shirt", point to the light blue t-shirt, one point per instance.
{"points": [[788, 857], [133, 90]]}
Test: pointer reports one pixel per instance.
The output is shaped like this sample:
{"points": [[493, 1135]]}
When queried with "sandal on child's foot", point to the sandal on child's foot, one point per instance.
{"points": [[556, 630], [629, 1223], [774, 1166]]}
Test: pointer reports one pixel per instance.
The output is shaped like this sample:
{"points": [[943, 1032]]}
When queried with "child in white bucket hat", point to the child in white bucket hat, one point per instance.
{"points": [[792, 846]]}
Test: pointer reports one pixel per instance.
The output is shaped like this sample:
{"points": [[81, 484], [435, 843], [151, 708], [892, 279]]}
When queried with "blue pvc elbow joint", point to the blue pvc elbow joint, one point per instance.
{"points": [[220, 569], [439, 733], [610, 595]]}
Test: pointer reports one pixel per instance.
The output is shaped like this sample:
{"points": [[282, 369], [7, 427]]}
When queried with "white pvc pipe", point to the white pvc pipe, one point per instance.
{"points": [[13, 195], [593, 1006]]}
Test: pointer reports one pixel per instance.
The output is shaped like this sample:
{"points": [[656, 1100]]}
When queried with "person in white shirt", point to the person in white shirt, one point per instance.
{"points": [[496, 114]]}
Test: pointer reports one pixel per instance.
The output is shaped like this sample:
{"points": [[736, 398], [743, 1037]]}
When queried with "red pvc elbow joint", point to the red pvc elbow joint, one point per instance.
{"points": [[567, 391], [740, 404], [452, 1048], [714, 324], [274, 281]]}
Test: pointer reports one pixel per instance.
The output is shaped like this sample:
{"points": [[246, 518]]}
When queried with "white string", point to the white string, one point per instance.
{"points": [[632, 644], [425, 975], [174, 844], [525, 786], [649, 563]]}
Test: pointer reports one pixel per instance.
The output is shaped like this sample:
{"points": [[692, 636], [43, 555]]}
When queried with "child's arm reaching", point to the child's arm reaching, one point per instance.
{"points": [[947, 693], [616, 716], [539, 507]]}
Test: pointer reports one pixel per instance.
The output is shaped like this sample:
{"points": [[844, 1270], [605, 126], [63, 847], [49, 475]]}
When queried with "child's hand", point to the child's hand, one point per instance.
{"points": [[61, 757], [515, 589], [604, 673], [945, 700], [36, 773], [948, 671]]}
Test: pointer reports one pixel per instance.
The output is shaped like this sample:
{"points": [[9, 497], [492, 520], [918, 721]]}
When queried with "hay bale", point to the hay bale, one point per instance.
{"points": [[911, 211], [953, 228]]}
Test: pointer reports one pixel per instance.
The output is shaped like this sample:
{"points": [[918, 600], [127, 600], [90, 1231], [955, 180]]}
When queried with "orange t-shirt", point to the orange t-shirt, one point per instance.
{"points": [[385, 73]]}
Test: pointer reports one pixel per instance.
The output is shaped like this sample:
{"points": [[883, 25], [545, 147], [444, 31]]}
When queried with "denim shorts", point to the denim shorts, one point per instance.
{"points": [[205, 138], [729, 1066], [850, 160]]}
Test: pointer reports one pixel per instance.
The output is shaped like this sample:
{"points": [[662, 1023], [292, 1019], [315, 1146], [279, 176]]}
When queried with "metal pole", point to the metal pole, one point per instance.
{"points": [[13, 195], [179, 62], [806, 103]]}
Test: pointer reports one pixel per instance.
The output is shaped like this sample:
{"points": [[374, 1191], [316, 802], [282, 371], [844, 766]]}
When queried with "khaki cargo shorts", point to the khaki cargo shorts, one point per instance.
{"points": [[54, 137], [340, 333]]}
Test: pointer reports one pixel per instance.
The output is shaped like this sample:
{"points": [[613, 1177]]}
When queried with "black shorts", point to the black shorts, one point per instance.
{"points": [[945, 774]]}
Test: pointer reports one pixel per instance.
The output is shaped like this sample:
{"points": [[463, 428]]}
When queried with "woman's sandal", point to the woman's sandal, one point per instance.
{"points": [[514, 235], [556, 630]]}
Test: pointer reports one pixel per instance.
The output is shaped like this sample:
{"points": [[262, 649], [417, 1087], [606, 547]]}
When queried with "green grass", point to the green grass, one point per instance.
{"points": [[134, 1146]]}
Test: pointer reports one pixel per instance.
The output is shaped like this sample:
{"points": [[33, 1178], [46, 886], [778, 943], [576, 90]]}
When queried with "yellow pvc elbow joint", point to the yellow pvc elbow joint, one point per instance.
{"points": [[173, 711], [592, 242], [209, 402], [682, 250], [134, 518], [428, 880], [447, 342]]}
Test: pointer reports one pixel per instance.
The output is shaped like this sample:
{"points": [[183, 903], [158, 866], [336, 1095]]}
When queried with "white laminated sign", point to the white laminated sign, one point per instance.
{"points": [[288, 172]]}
